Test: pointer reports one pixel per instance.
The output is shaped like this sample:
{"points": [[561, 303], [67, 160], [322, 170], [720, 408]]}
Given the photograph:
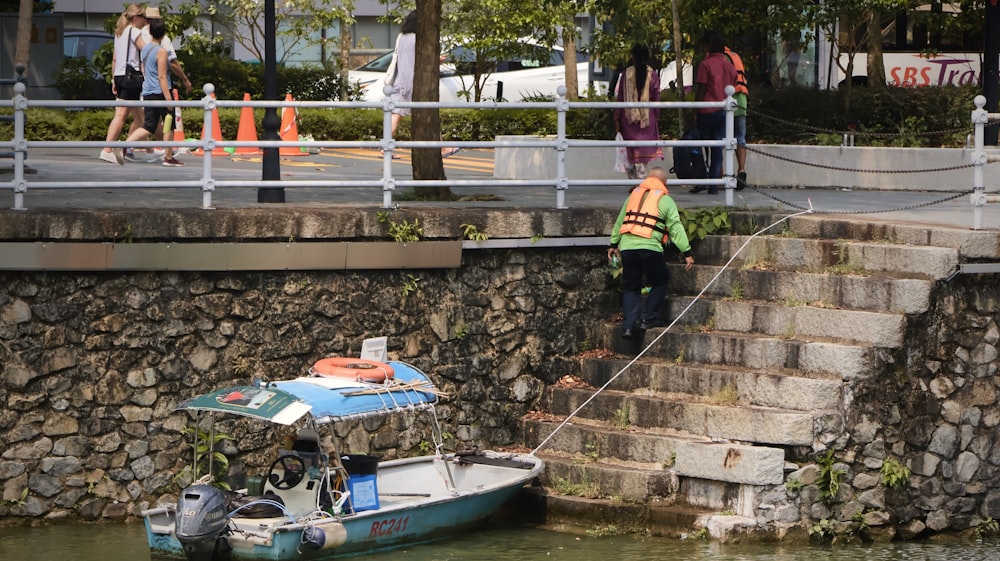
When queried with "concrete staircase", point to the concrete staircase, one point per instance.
{"points": [[753, 378]]}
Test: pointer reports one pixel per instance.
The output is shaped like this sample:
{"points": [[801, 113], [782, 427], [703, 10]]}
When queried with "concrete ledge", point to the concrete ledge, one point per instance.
{"points": [[776, 165], [734, 463]]}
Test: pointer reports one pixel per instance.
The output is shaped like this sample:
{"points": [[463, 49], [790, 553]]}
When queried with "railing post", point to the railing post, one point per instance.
{"points": [[562, 183], [729, 158], [388, 147], [978, 198], [20, 143], [207, 146]]}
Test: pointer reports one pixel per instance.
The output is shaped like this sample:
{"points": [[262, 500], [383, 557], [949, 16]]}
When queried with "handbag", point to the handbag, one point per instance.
{"points": [[621, 156], [133, 76]]}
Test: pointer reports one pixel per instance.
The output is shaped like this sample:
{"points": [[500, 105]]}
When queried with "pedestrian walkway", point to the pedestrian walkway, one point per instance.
{"points": [[468, 166]]}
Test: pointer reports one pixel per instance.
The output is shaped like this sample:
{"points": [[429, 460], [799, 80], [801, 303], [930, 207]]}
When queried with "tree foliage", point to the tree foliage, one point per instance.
{"points": [[298, 22], [491, 30]]}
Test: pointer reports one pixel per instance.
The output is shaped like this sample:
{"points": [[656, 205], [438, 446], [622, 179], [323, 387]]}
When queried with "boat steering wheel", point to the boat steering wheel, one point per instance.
{"points": [[294, 469]]}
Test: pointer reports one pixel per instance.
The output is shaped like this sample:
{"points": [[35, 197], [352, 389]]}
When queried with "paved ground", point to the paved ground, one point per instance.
{"points": [[82, 165]]}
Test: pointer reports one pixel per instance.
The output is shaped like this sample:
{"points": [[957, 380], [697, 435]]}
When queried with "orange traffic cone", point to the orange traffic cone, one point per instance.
{"points": [[216, 134], [247, 131], [289, 131]]}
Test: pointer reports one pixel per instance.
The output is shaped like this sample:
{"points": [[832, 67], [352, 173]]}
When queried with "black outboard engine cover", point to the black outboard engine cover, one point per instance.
{"points": [[201, 519]]}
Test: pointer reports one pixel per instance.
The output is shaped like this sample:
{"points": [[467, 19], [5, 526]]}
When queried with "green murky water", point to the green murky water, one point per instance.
{"points": [[128, 543]]}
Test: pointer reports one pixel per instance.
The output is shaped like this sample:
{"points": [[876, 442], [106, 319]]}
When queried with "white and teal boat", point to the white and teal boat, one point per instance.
{"points": [[317, 504]]}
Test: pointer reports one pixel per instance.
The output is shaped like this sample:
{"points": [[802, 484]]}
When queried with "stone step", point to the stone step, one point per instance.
{"points": [[822, 255], [603, 477], [874, 293], [881, 329], [764, 388], [832, 359], [578, 514], [660, 411], [971, 244], [686, 455]]}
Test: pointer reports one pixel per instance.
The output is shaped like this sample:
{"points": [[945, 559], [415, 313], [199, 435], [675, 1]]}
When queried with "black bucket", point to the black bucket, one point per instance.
{"points": [[360, 464]]}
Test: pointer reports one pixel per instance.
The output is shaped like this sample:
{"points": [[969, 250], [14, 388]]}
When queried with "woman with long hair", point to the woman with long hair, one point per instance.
{"points": [[128, 45], [639, 83]]}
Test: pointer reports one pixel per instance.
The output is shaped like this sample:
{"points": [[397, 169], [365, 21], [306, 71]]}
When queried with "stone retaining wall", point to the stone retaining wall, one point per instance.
{"points": [[95, 363]]}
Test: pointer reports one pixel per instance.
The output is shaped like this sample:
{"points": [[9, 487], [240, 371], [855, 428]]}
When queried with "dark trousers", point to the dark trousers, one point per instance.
{"points": [[713, 126], [636, 265]]}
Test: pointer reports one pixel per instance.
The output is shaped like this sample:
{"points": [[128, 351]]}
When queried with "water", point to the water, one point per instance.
{"points": [[128, 543]]}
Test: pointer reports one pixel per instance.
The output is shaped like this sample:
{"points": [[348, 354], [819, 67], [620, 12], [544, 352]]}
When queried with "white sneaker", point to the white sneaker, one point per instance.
{"points": [[155, 156], [108, 157]]}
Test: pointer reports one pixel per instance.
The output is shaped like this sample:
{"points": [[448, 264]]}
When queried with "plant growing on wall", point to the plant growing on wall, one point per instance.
{"points": [[894, 475], [829, 478]]}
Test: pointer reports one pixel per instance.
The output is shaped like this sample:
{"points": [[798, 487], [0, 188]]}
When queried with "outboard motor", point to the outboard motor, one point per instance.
{"points": [[201, 520]]}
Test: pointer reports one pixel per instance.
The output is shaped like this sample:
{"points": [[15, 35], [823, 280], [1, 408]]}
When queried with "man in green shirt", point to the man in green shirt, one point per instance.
{"points": [[648, 220]]}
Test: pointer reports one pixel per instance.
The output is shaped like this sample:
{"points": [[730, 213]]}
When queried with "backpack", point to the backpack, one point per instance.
{"points": [[689, 161]]}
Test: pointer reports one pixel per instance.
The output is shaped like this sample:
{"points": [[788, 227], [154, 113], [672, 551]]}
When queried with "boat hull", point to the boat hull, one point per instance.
{"points": [[406, 516]]}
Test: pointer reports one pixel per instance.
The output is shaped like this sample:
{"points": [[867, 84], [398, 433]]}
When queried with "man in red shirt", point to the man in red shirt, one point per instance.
{"points": [[714, 74]]}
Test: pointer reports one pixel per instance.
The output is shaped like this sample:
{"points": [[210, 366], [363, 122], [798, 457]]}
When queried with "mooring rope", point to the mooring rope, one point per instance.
{"points": [[664, 332]]}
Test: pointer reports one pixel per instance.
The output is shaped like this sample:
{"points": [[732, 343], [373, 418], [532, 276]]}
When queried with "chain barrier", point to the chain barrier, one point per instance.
{"points": [[859, 170], [880, 211], [812, 128]]}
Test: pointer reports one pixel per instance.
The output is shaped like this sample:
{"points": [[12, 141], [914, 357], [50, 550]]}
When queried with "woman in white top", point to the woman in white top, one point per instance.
{"points": [[128, 45]]}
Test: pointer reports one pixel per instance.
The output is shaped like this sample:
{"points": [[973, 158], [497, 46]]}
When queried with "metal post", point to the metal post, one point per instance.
{"points": [[979, 118], [271, 168], [207, 146], [729, 158], [388, 147], [562, 183], [20, 144]]}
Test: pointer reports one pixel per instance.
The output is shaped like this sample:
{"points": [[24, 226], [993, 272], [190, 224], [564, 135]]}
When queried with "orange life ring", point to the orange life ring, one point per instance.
{"points": [[357, 369]]}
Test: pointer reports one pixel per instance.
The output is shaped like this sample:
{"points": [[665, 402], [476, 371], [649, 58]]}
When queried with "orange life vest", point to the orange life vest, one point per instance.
{"points": [[741, 72], [642, 212]]}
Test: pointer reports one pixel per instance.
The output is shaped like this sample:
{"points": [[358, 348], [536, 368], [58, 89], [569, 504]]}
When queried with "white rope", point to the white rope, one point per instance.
{"points": [[664, 332]]}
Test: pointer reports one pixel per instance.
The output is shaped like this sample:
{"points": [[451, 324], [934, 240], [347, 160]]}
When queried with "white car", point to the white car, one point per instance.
{"points": [[539, 73]]}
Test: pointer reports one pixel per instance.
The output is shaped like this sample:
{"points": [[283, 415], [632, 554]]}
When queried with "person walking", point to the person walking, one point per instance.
{"points": [[155, 84], [128, 44], [153, 13], [714, 73], [639, 83], [400, 74], [647, 222], [742, 96]]}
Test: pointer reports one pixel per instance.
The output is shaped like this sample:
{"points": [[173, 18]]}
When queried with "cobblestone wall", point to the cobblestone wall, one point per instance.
{"points": [[94, 364], [928, 422]]}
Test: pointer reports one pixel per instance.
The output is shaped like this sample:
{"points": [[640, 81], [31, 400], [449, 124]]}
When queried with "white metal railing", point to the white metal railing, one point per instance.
{"points": [[210, 181], [980, 117]]}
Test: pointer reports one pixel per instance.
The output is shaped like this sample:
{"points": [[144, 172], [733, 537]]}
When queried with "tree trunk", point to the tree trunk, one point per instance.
{"points": [[345, 58], [569, 55], [427, 162], [22, 50], [876, 66]]}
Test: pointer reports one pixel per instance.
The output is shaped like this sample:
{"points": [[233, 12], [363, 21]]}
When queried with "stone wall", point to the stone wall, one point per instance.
{"points": [[94, 363], [934, 410]]}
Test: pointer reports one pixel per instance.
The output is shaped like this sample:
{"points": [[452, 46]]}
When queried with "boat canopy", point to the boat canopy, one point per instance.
{"points": [[328, 399]]}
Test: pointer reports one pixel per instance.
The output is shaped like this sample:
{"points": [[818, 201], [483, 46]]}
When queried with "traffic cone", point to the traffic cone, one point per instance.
{"points": [[289, 131], [247, 131], [216, 134]]}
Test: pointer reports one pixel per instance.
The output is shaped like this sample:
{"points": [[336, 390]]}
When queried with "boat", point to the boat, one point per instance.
{"points": [[315, 503]]}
